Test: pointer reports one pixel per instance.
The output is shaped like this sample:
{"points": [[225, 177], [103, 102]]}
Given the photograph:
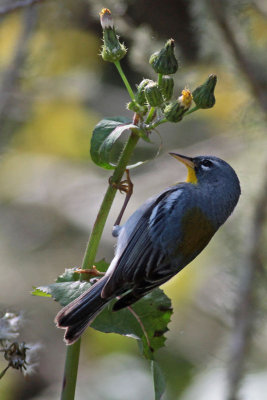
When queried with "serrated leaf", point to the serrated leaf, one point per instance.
{"points": [[68, 286], [39, 292], [69, 275], [159, 380], [64, 292], [146, 320]]}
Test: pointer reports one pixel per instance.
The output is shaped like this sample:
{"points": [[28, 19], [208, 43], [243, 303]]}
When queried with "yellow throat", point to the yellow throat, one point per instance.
{"points": [[191, 175], [189, 163]]}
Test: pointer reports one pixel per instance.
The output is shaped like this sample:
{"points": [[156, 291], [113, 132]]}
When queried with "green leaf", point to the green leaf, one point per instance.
{"points": [[108, 138], [101, 134], [63, 292], [68, 286], [39, 292], [70, 275], [144, 135], [159, 380], [145, 320]]}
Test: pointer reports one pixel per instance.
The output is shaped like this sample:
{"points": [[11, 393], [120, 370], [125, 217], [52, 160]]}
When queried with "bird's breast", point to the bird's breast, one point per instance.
{"points": [[196, 232]]}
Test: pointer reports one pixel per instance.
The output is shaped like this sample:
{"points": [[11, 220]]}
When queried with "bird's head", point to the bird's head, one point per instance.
{"points": [[209, 170]]}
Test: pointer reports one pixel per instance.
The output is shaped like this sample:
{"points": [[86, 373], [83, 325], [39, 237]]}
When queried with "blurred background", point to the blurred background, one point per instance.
{"points": [[54, 89]]}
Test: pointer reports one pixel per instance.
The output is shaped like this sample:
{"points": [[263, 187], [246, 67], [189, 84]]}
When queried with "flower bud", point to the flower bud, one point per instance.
{"points": [[166, 87], [153, 94], [204, 95], [164, 61], [112, 49], [174, 111], [137, 108], [140, 97]]}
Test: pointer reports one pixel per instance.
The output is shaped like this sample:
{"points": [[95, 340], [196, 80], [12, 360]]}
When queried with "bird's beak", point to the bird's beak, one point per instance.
{"points": [[189, 163]]}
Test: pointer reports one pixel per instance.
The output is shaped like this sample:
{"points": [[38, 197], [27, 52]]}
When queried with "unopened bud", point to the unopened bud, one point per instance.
{"points": [[140, 97], [166, 87], [137, 108], [153, 94], [112, 49], [164, 61], [204, 95]]}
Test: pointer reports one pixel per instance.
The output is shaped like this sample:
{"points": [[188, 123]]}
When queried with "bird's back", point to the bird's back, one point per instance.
{"points": [[160, 239]]}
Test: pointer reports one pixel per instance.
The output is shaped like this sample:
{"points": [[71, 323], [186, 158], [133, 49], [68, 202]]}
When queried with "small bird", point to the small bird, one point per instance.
{"points": [[159, 239]]}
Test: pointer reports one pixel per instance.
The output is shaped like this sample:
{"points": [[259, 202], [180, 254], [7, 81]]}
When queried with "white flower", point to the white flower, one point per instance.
{"points": [[9, 326], [32, 358]]}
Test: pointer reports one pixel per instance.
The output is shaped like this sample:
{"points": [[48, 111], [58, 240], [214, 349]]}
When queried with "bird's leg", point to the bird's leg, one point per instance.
{"points": [[92, 271], [124, 186]]}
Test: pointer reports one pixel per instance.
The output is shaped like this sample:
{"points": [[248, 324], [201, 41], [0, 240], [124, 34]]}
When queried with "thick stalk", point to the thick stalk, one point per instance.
{"points": [[73, 351], [101, 218], [70, 371]]}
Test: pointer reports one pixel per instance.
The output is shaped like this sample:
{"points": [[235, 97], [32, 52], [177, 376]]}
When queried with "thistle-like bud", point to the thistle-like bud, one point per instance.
{"points": [[153, 94], [166, 87], [140, 97], [164, 61], [174, 111], [112, 49], [137, 108], [204, 95]]}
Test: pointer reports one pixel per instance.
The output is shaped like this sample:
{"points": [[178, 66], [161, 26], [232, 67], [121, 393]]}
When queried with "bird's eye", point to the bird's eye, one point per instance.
{"points": [[206, 163]]}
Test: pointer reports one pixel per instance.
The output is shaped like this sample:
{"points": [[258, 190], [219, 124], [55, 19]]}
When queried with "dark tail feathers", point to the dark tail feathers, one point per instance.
{"points": [[77, 315]]}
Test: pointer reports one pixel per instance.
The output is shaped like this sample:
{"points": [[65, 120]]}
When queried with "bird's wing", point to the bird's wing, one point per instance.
{"points": [[145, 244]]}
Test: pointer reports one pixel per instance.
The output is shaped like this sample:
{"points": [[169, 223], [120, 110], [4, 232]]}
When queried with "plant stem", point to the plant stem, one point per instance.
{"points": [[73, 351], [102, 215], [125, 80], [153, 126], [159, 79], [191, 111], [150, 115], [70, 372]]}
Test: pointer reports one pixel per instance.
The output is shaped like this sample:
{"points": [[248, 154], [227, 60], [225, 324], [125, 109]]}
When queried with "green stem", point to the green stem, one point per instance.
{"points": [[125, 80], [101, 218], [153, 126], [70, 372], [159, 79], [73, 351], [150, 115], [191, 110]]}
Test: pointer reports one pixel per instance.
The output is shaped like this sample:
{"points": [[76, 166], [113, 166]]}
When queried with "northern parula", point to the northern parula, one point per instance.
{"points": [[160, 238]]}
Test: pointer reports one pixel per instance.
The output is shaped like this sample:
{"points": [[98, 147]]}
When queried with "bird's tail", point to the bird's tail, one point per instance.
{"points": [[77, 315]]}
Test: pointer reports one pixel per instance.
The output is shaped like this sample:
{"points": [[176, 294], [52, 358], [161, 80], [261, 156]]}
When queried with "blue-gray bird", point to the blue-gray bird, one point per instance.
{"points": [[164, 235]]}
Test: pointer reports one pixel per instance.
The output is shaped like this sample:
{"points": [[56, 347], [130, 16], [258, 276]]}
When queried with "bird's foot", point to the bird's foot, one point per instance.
{"points": [[125, 186], [92, 271]]}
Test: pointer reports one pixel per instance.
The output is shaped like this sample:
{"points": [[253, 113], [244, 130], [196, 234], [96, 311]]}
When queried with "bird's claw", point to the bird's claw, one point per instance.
{"points": [[125, 186], [92, 271]]}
